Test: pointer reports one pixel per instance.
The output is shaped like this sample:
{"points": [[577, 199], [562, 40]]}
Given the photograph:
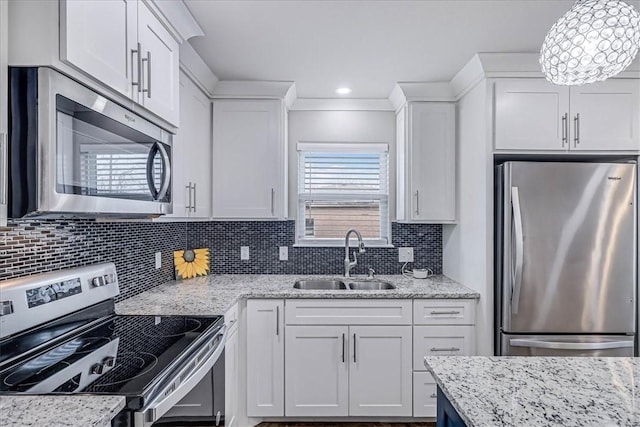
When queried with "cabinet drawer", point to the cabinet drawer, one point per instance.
{"points": [[348, 312], [441, 341], [444, 312], [231, 318], [424, 395]]}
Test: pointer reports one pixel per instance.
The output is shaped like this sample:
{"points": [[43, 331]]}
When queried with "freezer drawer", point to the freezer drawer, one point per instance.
{"points": [[567, 345]]}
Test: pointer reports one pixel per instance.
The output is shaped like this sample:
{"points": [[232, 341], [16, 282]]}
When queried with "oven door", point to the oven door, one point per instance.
{"points": [[182, 380], [91, 156]]}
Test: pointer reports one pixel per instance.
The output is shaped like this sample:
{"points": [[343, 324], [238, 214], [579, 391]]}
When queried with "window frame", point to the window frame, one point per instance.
{"points": [[384, 198]]}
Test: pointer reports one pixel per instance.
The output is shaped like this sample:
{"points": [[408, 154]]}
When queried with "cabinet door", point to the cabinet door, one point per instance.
{"points": [[4, 153], [380, 382], [317, 375], [160, 67], [529, 115], [606, 116], [424, 395], [441, 341], [231, 380], [248, 159], [265, 358], [98, 36], [433, 166]]}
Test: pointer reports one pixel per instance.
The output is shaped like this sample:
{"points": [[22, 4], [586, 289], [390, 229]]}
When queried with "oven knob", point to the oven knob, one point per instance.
{"points": [[98, 281], [97, 369], [109, 362], [109, 278]]}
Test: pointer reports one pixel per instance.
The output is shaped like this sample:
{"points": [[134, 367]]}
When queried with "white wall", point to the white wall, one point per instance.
{"points": [[467, 246], [341, 126]]}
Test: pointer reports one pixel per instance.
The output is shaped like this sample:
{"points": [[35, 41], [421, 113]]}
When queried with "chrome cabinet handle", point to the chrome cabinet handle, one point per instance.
{"points": [[570, 345], [139, 82], [354, 349], [445, 312], [516, 275], [277, 320], [273, 196], [343, 348], [576, 130], [195, 195], [148, 61], [564, 128], [445, 349], [433, 396], [188, 187], [417, 202]]}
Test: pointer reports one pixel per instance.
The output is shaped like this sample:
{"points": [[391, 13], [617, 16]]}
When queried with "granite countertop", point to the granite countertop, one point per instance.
{"points": [[213, 295], [59, 411], [541, 391]]}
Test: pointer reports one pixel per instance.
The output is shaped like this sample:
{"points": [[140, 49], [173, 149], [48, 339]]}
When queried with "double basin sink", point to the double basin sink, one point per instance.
{"points": [[344, 285]]}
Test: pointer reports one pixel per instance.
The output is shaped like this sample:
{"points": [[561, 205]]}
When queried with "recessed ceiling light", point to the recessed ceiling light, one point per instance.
{"points": [[343, 91]]}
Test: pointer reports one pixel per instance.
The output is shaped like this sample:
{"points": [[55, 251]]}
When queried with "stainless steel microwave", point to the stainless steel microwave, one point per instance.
{"points": [[73, 152]]}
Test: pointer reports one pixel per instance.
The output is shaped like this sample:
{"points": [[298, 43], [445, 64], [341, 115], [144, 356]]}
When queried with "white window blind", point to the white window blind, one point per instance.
{"points": [[342, 186]]}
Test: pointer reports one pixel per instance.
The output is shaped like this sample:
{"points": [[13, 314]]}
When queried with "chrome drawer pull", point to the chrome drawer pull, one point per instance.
{"points": [[445, 349], [445, 312], [433, 396]]}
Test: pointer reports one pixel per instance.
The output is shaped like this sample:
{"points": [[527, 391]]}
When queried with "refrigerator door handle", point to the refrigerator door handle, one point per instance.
{"points": [[516, 272], [558, 345]]}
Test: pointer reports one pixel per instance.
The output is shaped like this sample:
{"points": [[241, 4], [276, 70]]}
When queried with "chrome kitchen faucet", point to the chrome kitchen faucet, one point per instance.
{"points": [[348, 264]]}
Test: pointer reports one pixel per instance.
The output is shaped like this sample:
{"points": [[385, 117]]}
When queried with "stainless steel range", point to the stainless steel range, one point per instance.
{"points": [[59, 334]]}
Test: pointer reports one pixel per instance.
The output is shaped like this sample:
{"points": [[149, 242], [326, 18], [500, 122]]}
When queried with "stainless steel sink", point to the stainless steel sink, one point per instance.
{"points": [[372, 285], [320, 284]]}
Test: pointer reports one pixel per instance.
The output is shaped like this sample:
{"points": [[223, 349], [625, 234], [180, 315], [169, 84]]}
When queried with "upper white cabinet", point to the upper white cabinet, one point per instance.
{"points": [[265, 358], [533, 114], [159, 59], [4, 143], [100, 38], [426, 162], [192, 154], [249, 168]]}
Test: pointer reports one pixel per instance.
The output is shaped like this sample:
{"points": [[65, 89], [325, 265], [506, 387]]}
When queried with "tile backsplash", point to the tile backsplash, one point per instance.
{"points": [[29, 246]]}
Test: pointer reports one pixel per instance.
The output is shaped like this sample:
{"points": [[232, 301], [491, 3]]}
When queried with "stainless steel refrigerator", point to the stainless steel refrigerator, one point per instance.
{"points": [[565, 259]]}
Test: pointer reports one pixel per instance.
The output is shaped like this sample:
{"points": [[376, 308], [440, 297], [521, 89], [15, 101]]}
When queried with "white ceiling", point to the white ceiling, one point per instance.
{"points": [[366, 45]]}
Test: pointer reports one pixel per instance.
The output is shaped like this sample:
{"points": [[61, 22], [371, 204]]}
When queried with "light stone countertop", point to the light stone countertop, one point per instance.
{"points": [[59, 411], [541, 391], [213, 295]]}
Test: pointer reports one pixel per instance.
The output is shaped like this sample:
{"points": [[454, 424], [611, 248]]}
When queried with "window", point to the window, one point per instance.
{"points": [[342, 186]]}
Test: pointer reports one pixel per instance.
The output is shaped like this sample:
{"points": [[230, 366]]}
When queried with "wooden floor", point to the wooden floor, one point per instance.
{"points": [[346, 425]]}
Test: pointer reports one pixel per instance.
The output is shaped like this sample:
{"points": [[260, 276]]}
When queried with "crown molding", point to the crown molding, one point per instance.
{"points": [[341, 104]]}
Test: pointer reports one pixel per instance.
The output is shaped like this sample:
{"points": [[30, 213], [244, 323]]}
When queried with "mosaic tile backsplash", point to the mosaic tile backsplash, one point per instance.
{"points": [[34, 246]]}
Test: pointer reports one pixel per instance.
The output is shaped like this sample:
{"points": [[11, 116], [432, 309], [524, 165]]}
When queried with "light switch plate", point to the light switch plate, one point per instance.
{"points": [[405, 254], [158, 260], [244, 253], [284, 253]]}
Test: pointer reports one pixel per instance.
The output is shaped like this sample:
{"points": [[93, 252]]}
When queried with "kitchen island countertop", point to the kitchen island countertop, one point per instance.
{"points": [[541, 391], [213, 295], [59, 411]]}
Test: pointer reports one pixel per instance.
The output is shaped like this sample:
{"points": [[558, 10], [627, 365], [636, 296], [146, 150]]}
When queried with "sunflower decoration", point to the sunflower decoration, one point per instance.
{"points": [[191, 263]]}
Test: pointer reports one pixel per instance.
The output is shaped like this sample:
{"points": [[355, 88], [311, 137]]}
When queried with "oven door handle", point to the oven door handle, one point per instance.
{"points": [[151, 413]]}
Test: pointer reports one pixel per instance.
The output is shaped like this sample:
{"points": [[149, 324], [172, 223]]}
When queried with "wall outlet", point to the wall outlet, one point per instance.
{"points": [[158, 260], [244, 253], [284, 253], [405, 254]]}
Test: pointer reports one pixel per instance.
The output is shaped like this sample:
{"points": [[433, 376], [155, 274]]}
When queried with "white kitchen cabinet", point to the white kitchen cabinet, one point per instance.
{"points": [[441, 341], [4, 107], [426, 164], [317, 371], [380, 379], [99, 38], [192, 154], [535, 115], [424, 395], [160, 64], [231, 369], [265, 358], [249, 153], [123, 45]]}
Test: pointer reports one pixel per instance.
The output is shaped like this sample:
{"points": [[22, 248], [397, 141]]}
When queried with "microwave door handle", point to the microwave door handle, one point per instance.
{"points": [[146, 416], [559, 345], [516, 279], [150, 178], [166, 173]]}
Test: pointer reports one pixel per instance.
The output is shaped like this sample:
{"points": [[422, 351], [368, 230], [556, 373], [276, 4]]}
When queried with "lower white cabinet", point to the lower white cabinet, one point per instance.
{"points": [[424, 395], [265, 358], [441, 341], [380, 372], [231, 369]]}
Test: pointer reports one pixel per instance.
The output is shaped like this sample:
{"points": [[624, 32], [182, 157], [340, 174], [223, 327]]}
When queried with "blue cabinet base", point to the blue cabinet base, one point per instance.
{"points": [[447, 415]]}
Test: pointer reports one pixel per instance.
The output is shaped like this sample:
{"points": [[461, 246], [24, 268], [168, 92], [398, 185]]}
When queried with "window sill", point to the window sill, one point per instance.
{"points": [[340, 244]]}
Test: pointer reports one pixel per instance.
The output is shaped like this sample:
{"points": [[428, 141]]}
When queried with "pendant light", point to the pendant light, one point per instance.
{"points": [[594, 40]]}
